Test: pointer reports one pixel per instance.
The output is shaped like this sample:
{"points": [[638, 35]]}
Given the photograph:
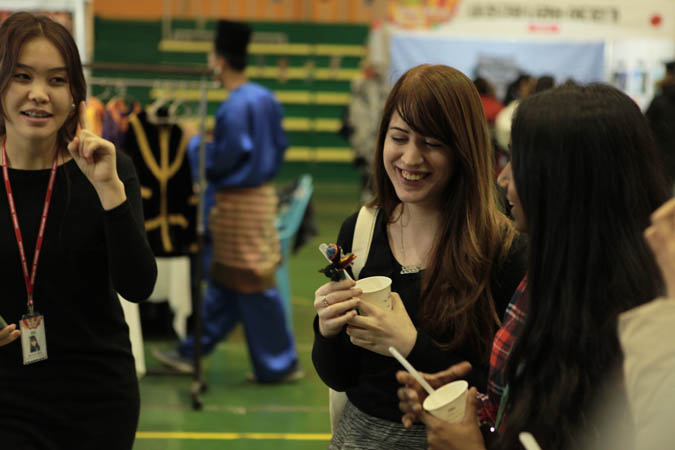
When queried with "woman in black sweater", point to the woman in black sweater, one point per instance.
{"points": [[71, 199], [453, 258]]}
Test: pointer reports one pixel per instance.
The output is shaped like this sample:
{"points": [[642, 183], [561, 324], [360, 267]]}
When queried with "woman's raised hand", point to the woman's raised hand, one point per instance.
{"points": [[95, 157], [334, 303]]}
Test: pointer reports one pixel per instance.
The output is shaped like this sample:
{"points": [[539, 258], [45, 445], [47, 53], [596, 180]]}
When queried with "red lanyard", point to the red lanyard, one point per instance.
{"points": [[29, 279]]}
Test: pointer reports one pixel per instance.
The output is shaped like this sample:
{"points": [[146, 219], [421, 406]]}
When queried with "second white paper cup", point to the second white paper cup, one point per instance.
{"points": [[376, 290], [448, 402]]}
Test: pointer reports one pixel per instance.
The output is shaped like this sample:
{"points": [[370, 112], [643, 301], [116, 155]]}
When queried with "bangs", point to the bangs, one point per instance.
{"points": [[420, 109]]}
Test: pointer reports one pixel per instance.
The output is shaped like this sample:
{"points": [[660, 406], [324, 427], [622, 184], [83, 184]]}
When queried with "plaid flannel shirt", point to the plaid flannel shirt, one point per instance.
{"points": [[505, 338]]}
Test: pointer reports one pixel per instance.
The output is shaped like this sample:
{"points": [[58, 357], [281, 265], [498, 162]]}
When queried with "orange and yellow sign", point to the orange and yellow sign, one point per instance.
{"points": [[421, 14]]}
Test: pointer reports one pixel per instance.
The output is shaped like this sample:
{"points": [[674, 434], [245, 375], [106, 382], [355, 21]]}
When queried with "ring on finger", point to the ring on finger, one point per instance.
{"points": [[325, 301]]}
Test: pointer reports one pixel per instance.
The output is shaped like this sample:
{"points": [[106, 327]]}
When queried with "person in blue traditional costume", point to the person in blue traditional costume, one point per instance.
{"points": [[242, 249]]}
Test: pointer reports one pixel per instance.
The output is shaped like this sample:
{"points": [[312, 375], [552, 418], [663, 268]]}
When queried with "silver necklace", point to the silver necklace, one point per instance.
{"points": [[404, 268]]}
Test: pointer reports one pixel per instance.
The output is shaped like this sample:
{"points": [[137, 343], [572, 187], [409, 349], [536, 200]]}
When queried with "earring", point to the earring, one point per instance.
{"points": [[72, 106]]}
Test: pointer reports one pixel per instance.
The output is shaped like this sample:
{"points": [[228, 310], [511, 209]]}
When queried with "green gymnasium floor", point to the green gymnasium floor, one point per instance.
{"points": [[238, 414]]}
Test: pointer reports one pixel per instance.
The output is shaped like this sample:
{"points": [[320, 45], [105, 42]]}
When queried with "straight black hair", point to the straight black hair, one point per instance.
{"points": [[588, 179]]}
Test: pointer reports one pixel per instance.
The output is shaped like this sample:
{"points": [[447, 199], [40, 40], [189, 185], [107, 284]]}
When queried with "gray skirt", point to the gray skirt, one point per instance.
{"points": [[360, 431]]}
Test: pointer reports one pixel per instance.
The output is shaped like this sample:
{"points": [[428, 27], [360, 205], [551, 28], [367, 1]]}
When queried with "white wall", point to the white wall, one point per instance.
{"points": [[637, 38]]}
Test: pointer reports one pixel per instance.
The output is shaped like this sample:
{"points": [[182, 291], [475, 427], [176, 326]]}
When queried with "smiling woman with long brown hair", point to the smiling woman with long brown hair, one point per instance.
{"points": [[452, 256]]}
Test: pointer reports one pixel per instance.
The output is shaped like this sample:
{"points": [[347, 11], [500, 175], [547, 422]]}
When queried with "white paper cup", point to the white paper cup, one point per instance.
{"points": [[376, 290], [448, 402]]}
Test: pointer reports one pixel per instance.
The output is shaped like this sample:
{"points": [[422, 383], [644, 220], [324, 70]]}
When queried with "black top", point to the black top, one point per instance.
{"points": [[661, 116], [88, 255], [368, 377]]}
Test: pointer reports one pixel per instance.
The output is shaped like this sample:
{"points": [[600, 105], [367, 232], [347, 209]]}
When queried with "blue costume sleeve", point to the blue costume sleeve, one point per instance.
{"points": [[248, 139], [232, 145]]}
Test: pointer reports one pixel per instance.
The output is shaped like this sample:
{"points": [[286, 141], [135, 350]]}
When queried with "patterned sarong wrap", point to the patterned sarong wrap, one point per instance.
{"points": [[246, 249]]}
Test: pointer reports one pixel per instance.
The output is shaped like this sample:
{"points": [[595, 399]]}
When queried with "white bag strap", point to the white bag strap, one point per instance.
{"points": [[363, 236]]}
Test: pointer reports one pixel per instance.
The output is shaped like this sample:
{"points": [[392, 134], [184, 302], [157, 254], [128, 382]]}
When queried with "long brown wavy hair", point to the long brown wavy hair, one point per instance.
{"points": [[457, 306]]}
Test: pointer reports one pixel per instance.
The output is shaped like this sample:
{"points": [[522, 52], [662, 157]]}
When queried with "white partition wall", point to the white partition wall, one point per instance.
{"points": [[494, 59], [617, 41]]}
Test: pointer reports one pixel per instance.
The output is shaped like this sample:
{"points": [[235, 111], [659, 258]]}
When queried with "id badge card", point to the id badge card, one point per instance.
{"points": [[33, 338]]}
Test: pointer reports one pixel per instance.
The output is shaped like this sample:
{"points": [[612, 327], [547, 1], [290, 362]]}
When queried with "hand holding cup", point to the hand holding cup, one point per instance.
{"points": [[335, 304], [463, 435], [377, 328], [412, 394], [449, 412]]}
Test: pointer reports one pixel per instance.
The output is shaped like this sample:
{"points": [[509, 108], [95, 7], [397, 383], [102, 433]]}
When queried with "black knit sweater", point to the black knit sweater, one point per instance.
{"points": [[369, 378]]}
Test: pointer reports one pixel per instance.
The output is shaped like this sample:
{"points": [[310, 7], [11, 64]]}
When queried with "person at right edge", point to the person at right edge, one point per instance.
{"points": [[242, 249], [661, 117]]}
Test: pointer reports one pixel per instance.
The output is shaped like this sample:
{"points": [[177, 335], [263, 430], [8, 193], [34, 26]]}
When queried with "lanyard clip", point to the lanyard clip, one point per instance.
{"points": [[31, 306]]}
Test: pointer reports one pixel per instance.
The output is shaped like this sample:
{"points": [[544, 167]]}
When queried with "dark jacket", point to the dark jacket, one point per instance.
{"points": [[661, 117]]}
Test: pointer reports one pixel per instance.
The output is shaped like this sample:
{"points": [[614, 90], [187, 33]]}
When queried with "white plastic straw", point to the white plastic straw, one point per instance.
{"points": [[404, 362], [322, 249], [528, 441]]}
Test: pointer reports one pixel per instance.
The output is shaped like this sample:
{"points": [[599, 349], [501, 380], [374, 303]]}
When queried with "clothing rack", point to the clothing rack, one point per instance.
{"points": [[150, 83], [198, 385], [168, 69]]}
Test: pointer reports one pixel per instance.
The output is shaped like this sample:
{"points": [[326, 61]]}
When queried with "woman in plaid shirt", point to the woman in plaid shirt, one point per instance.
{"points": [[584, 180]]}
